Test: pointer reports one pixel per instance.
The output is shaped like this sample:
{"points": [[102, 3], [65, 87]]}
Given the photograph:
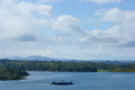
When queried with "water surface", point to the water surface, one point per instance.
{"points": [[83, 81]]}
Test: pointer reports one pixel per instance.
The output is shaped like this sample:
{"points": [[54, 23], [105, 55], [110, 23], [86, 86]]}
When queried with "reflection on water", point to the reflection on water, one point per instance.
{"points": [[83, 81]]}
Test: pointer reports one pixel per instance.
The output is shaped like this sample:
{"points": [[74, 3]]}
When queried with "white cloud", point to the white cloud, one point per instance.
{"points": [[120, 35], [104, 1], [125, 19], [18, 22], [49, 0], [101, 38], [23, 21], [40, 9], [66, 22], [17, 18], [115, 14]]}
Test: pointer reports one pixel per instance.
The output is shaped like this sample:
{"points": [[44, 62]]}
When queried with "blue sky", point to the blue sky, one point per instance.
{"points": [[70, 29]]}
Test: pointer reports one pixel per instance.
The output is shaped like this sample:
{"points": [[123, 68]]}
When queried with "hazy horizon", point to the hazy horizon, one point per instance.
{"points": [[68, 29], [44, 58]]}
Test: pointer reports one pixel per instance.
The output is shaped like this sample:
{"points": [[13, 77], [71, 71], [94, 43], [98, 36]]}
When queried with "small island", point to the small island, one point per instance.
{"points": [[11, 74]]}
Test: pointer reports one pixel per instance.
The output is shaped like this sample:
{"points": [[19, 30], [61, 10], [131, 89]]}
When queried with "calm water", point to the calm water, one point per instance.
{"points": [[83, 81]]}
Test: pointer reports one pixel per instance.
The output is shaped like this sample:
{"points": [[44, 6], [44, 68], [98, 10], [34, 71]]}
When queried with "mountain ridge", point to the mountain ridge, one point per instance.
{"points": [[42, 58]]}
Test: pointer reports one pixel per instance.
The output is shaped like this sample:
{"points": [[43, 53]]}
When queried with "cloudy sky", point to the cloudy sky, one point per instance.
{"points": [[70, 29]]}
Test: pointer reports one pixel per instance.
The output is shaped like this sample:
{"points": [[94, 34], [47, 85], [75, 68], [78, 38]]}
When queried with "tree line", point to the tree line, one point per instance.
{"points": [[67, 66]]}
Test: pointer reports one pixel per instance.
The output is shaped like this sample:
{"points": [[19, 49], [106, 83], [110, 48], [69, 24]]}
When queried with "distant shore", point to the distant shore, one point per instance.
{"points": [[16, 69]]}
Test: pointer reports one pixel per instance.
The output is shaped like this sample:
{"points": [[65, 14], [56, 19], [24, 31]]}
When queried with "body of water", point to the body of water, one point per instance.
{"points": [[82, 81]]}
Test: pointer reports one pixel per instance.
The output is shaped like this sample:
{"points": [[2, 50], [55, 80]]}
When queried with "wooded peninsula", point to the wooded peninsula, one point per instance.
{"points": [[16, 69]]}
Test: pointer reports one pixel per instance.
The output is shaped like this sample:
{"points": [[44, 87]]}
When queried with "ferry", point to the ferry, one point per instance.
{"points": [[62, 83]]}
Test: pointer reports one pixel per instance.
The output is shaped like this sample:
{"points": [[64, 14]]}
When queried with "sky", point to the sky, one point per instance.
{"points": [[68, 29]]}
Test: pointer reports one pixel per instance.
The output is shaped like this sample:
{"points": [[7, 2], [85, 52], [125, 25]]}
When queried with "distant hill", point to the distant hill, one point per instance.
{"points": [[40, 58]]}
